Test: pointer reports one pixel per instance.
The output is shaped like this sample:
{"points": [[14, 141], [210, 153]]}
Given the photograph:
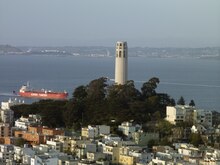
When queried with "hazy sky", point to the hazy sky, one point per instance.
{"points": [[152, 23]]}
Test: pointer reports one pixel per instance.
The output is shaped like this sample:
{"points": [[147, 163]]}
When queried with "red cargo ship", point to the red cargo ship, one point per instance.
{"points": [[42, 94]]}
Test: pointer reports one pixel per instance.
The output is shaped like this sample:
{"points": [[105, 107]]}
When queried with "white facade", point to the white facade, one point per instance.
{"points": [[121, 63], [24, 122], [82, 149], [191, 151], [23, 154], [44, 159], [56, 145], [6, 152], [203, 117], [103, 129], [9, 103], [127, 128], [175, 114], [188, 114], [7, 116], [95, 131], [95, 156], [112, 137]]}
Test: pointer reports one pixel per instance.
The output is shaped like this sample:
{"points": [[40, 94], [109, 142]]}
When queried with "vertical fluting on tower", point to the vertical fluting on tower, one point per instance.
{"points": [[121, 63]]}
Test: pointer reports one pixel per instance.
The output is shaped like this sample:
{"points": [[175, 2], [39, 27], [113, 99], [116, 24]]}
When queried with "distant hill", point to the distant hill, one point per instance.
{"points": [[4, 49], [102, 51]]}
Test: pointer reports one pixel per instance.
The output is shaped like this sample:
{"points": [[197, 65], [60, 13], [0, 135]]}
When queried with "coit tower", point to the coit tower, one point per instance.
{"points": [[121, 63]]}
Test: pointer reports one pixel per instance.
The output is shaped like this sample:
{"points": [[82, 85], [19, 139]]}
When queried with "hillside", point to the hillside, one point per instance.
{"points": [[5, 49]]}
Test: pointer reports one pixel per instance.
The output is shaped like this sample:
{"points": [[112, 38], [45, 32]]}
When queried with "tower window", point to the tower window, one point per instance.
{"points": [[119, 53]]}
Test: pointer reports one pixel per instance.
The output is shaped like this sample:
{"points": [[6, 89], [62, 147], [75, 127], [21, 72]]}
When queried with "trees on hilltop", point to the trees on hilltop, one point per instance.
{"points": [[100, 102]]}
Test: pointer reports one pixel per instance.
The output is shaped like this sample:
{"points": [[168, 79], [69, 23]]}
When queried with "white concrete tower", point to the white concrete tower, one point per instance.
{"points": [[121, 63]]}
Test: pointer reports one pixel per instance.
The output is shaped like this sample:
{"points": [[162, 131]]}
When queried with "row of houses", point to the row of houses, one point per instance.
{"points": [[97, 145], [105, 150]]}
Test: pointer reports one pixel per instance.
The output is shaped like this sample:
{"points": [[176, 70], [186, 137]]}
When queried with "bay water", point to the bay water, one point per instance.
{"points": [[197, 79]]}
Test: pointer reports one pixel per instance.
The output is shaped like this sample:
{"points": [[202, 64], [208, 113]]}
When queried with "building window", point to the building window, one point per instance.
{"points": [[119, 53]]}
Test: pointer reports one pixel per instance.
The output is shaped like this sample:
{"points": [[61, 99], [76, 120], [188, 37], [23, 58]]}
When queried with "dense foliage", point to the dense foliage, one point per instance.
{"points": [[100, 103]]}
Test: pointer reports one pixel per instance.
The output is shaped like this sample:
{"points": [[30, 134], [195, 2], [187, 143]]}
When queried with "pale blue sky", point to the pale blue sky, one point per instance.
{"points": [[152, 23]]}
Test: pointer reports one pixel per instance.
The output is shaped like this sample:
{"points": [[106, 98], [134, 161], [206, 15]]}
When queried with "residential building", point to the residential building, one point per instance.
{"points": [[128, 128], [55, 144], [112, 137], [84, 148], [5, 130], [203, 117], [38, 135], [7, 104], [6, 152], [7, 116], [31, 120], [95, 156], [95, 131], [188, 114], [126, 160], [111, 150]]}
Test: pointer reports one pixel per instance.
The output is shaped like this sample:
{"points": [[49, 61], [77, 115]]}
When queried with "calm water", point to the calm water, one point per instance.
{"points": [[191, 78]]}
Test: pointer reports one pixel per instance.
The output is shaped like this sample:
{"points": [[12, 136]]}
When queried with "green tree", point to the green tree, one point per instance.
{"points": [[148, 88], [195, 139], [192, 103], [123, 94], [80, 93], [96, 89], [181, 101], [152, 143], [165, 128]]}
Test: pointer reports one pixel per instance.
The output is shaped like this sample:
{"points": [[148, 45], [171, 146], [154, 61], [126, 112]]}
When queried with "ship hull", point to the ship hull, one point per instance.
{"points": [[43, 95]]}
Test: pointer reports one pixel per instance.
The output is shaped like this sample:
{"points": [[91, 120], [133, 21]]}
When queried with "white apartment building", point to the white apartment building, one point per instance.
{"points": [[44, 159], [203, 117], [112, 138], [55, 144], [84, 148], [181, 113], [6, 152], [137, 153], [95, 131], [128, 128], [7, 104], [93, 156], [23, 155], [24, 122], [190, 151], [7, 116]]}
